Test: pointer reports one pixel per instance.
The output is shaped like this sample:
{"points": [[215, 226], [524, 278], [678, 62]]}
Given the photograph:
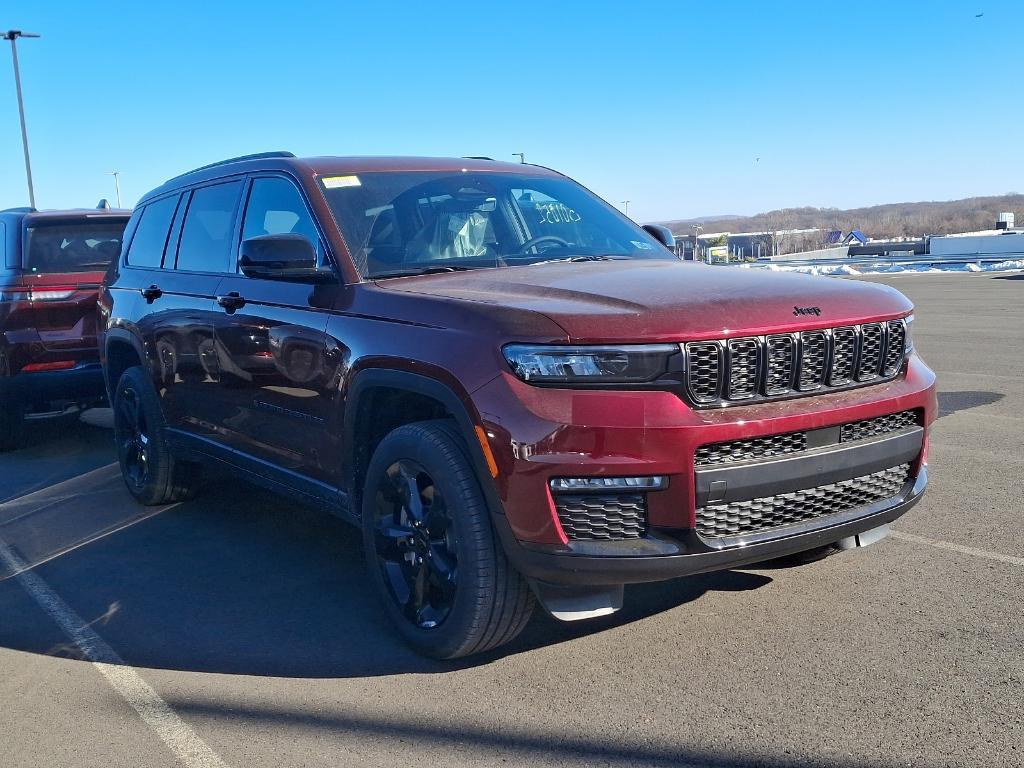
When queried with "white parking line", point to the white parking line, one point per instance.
{"points": [[960, 548], [186, 745]]}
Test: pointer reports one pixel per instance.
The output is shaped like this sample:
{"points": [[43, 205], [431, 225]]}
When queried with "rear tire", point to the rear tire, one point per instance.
{"points": [[431, 552], [150, 470]]}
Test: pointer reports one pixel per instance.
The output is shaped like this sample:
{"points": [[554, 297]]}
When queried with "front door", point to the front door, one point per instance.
{"points": [[271, 344]]}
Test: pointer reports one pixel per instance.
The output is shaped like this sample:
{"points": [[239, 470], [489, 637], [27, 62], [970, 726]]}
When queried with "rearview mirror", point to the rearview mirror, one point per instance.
{"points": [[662, 234], [286, 256]]}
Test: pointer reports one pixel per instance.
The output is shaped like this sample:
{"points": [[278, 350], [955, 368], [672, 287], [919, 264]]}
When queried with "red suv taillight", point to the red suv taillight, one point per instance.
{"points": [[55, 293]]}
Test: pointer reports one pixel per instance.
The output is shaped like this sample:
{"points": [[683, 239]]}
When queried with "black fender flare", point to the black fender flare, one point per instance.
{"points": [[118, 336], [371, 378]]}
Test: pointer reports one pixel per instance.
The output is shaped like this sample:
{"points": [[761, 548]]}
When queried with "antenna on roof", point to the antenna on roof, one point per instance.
{"points": [[103, 205]]}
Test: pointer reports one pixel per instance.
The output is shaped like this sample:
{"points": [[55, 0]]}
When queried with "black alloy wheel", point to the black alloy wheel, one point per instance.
{"points": [[416, 544]]}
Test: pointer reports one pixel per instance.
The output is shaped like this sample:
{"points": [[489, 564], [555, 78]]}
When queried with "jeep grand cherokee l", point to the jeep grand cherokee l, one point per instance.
{"points": [[516, 393], [51, 266]]}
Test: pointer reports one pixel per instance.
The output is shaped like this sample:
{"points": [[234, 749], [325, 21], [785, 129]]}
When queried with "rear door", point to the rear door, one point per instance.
{"points": [[274, 359], [178, 291]]}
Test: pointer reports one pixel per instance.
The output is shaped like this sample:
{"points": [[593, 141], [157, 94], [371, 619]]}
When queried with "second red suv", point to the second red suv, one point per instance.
{"points": [[512, 389], [51, 265]]}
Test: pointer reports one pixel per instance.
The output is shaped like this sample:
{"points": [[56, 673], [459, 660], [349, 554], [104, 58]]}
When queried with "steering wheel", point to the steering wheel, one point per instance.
{"points": [[533, 242]]}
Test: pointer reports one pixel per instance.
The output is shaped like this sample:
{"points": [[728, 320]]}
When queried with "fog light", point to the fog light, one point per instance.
{"points": [[654, 483]]}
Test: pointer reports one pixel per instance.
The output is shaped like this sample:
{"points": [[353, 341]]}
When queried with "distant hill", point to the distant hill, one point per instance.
{"points": [[877, 221]]}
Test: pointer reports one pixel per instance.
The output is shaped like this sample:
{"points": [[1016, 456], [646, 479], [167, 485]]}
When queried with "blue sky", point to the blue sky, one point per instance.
{"points": [[667, 104]]}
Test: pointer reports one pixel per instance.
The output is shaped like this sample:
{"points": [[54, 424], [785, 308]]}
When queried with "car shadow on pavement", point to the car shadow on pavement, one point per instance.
{"points": [[241, 581], [511, 743], [953, 402]]}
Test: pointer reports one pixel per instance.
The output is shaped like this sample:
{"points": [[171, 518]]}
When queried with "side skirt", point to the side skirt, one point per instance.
{"points": [[262, 473]]}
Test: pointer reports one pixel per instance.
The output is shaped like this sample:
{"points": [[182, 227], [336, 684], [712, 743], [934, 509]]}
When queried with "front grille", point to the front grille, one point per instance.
{"points": [[704, 371], [768, 513], [765, 447], [880, 425], [754, 448], [602, 516], [754, 368]]}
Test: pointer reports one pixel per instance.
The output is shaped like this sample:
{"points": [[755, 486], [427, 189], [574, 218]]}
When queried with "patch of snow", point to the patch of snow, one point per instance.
{"points": [[887, 269]]}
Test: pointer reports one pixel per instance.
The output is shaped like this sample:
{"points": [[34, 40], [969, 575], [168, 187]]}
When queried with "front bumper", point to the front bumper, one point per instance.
{"points": [[613, 563], [538, 434]]}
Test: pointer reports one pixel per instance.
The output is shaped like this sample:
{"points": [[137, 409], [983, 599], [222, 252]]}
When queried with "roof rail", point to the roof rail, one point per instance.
{"points": [[478, 157], [257, 156], [24, 209]]}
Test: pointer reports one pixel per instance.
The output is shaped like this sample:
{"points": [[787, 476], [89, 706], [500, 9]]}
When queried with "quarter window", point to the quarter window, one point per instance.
{"points": [[205, 244], [147, 247]]}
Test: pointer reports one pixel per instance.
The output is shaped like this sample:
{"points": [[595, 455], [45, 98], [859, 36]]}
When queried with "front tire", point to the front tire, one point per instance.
{"points": [[431, 552], [150, 470]]}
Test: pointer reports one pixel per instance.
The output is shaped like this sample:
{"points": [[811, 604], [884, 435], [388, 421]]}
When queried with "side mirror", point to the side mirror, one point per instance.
{"points": [[662, 234], [287, 256]]}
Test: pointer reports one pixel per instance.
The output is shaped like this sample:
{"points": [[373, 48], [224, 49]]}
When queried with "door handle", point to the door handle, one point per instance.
{"points": [[231, 301], [152, 293]]}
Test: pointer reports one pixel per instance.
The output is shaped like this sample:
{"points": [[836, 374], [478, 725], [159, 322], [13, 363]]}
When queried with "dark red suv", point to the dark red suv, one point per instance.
{"points": [[514, 390], [50, 273]]}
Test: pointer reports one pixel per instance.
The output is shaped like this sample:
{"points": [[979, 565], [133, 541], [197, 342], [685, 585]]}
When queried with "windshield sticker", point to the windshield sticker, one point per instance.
{"points": [[642, 245], [557, 213], [336, 182]]}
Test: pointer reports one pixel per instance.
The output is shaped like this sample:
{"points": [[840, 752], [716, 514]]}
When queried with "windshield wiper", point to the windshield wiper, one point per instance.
{"points": [[421, 271], [595, 257]]}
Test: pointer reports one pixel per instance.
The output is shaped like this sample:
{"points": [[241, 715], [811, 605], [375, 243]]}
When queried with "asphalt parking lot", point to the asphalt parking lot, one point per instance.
{"points": [[238, 630]]}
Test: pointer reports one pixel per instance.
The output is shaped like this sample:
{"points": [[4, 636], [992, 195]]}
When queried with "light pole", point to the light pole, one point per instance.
{"points": [[625, 207], [521, 156], [117, 186], [13, 36]]}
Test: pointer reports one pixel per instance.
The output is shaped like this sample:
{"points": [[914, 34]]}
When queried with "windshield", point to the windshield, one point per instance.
{"points": [[408, 223], [80, 246]]}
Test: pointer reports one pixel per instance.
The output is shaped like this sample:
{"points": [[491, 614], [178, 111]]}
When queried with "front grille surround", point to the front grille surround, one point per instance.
{"points": [[720, 373]]}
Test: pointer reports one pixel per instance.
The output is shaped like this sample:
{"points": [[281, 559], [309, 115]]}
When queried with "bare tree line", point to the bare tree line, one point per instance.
{"points": [[891, 220]]}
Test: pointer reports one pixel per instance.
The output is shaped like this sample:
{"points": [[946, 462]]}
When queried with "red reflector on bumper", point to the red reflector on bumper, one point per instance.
{"points": [[60, 365]]}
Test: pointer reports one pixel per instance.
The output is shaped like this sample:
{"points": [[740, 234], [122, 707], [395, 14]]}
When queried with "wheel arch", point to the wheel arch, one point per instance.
{"points": [[404, 397], [121, 351]]}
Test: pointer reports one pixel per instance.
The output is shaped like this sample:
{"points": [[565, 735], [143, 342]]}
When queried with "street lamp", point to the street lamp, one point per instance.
{"points": [[520, 155], [13, 35], [625, 207], [117, 186]]}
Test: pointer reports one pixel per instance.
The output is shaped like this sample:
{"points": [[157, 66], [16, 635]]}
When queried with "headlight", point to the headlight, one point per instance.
{"points": [[909, 346], [627, 364]]}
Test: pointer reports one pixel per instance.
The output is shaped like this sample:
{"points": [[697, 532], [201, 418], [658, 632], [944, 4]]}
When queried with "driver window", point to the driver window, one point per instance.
{"points": [[276, 207]]}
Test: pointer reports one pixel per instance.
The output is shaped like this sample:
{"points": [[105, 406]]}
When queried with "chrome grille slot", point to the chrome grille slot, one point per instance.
{"points": [[844, 356], [779, 377], [895, 350], [743, 368], [813, 354], [870, 352], [704, 370]]}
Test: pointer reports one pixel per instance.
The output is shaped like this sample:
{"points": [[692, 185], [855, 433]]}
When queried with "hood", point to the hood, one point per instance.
{"points": [[635, 300]]}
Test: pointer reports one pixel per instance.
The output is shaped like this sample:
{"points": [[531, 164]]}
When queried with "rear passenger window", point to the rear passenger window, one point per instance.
{"points": [[205, 244], [276, 207], [147, 248]]}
